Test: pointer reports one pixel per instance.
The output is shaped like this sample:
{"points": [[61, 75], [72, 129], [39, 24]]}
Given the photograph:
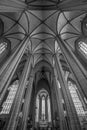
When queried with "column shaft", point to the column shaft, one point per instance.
{"points": [[40, 110], [46, 108], [52, 100], [59, 105], [71, 111], [19, 96], [26, 107], [8, 70], [77, 69]]}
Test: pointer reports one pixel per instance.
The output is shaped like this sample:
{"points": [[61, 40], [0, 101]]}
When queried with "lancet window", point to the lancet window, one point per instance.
{"points": [[43, 107]]}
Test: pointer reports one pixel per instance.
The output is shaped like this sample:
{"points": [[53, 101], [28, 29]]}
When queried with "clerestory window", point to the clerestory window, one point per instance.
{"points": [[83, 48]]}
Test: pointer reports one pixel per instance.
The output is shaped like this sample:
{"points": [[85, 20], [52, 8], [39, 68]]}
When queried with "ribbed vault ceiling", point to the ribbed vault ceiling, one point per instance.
{"points": [[42, 20]]}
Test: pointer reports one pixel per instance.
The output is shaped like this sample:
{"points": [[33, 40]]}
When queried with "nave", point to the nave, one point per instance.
{"points": [[43, 65]]}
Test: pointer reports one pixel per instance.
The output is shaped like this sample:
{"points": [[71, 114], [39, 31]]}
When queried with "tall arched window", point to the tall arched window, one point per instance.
{"points": [[77, 101], [6, 106], [43, 107], [43, 115]]}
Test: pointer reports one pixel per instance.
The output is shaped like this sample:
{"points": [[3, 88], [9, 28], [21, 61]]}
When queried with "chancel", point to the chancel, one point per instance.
{"points": [[43, 65]]}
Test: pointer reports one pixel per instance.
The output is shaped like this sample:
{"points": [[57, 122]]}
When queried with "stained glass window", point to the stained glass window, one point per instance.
{"points": [[37, 109], [76, 100], [43, 108], [83, 48], [3, 46], [49, 109], [9, 100]]}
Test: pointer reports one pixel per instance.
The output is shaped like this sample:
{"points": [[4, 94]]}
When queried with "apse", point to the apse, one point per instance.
{"points": [[43, 109]]}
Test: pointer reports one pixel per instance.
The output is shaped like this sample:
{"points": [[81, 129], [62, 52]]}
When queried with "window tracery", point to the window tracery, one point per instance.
{"points": [[77, 101], [6, 106], [43, 108], [83, 48]]}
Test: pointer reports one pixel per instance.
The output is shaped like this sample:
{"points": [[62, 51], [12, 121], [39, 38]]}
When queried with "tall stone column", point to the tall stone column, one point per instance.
{"points": [[53, 101], [78, 71], [8, 69], [19, 95], [62, 121], [27, 101], [40, 108], [70, 108]]}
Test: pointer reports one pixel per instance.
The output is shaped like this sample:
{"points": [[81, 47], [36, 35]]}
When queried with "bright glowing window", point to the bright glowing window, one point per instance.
{"points": [[8, 103], [75, 98], [3, 46], [43, 108], [49, 110], [57, 48], [37, 108], [83, 48]]}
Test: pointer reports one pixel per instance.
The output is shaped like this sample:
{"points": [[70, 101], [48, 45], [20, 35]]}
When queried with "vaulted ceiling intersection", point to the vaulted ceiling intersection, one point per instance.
{"points": [[42, 20]]}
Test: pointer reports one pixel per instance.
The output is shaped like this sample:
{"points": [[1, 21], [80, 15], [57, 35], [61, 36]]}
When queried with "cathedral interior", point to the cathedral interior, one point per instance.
{"points": [[43, 64]]}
